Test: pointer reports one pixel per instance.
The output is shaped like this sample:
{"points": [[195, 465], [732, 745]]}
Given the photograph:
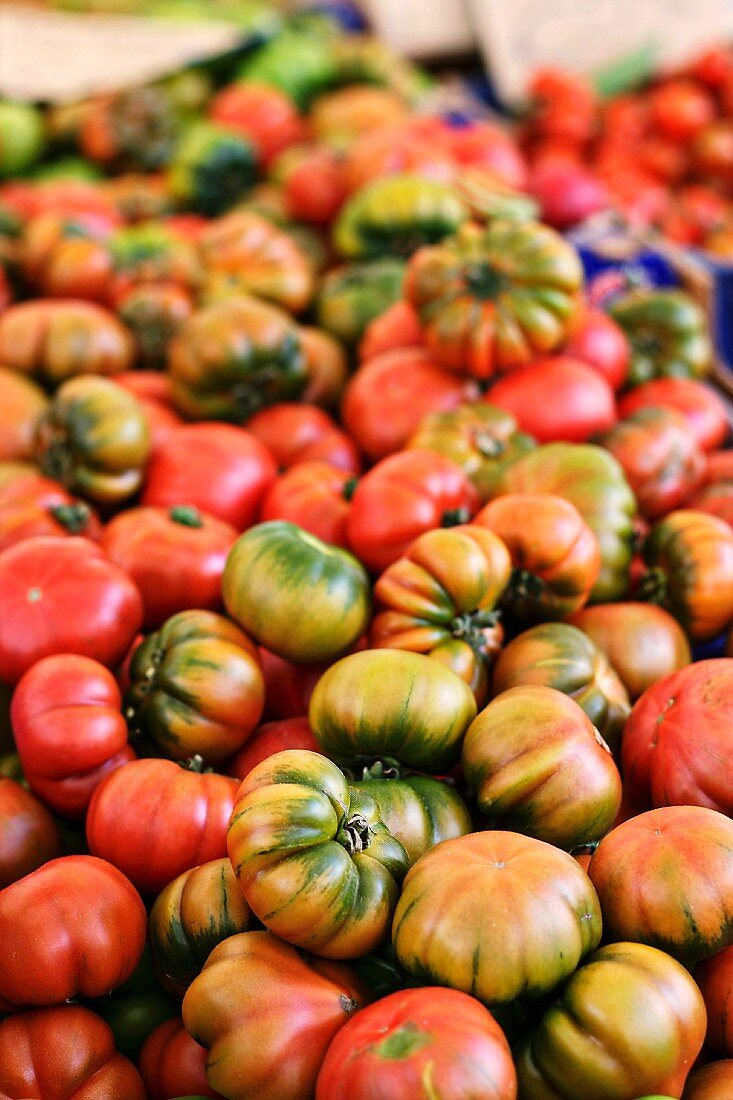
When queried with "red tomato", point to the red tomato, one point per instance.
{"points": [[173, 1064], [288, 687], [388, 396], [272, 737], [567, 193], [152, 390], [175, 556], [390, 150], [397, 327], [713, 68], [155, 819], [316, 496], [263, 114], [63, 595], [34, 505], [558, 398], [313, 184], [680, 108], [564, 105], [483, 145], [601, 343], [712, 151], [719, 466], [663, 158], [304, 433], [422, 1044], [74, 928], [400, 498], [29, 836], [219, 468], [702, 408], [63, 1052], [69, 730], [715, 980]]}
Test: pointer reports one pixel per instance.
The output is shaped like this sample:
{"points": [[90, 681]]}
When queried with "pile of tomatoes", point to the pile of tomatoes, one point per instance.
{"points": [[364, 609]]}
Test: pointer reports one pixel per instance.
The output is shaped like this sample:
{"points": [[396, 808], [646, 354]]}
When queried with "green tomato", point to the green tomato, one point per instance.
{"points": [[21, 137]]}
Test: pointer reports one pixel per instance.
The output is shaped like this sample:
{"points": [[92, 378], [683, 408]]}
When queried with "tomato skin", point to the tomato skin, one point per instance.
{"points": [[22, 404], [401, 497], [313, 183], [289, 686], [171, 1063], [420, 1043], [714, 977], [665, 878], [55, 1053], [40, 611], [555, 399], [568, 192], [69, 730], [711, 1082], [680, 108], [29, 836], [702, 408], [674, 749], [269, 738], [175, 556], [316, 497], [36, 505], [597, 340], [397, 327], [263, 114], [75, 927], [637, 1023], [304, 433], [387, 398], [231, 475], [154, 819]]}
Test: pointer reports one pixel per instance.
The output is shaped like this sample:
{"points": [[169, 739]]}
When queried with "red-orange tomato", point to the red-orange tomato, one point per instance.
{"points": [[219, 468], [22, 404], [35, 505], [419, 1043], [391, 150], [701, 406], [171, 1063], [69, 730], [263, 114], [716, 498], [314, 495], [296, 433], [152, 390], [711, 1082], [398, 327], [484, 145], [313, 183], [67, 258], [155, 819], [269, 738], [719, 467], [712, 152], [63, 1053], [680, 108], [559, 398], [401, 497], [388, 396], [175, 556], [715, 979], [597, 340], [29, 836], [74, 928]]}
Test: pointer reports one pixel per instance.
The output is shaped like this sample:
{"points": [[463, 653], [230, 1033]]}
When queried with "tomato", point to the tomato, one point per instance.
{"points": [[154, 312], [269, 738], [56, 1053], [674, 750], [23, 402], [229, 478], [94, 438], [57, 339], [597, 340], [41, 612], [420, 1043], [195, 687], [75, 927], [338, 118], [395, 150], [690, 560], [439, 599], [171, 1062], [288, 686], [665, 878], [194, 913], [560, 656], [29, 836], [325, 362], [711, 1082], [34, 505], [175, 556], [155, 819], [316, 497], [490, 299], [629, 1020], [263, 114], [668, 333], [703, 409], [712, 152], [350, 297], [642, 642], [401, 497], [398, 327], [211, 168], [680, 108], [273, 1055], [300, 597], [496, 914], [68, 730], [304, 433], [312, 177], [567, 192], [714, 977], [391, 705], [67, 258], [387, 398], [559, 398], [555, 556]]}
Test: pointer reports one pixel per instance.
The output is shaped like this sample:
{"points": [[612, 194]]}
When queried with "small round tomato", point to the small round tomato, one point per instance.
{"points": [[680, 108]]}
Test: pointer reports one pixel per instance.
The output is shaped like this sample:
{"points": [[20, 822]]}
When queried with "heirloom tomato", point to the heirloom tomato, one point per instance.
{"points": [[314, 496], [597, 340], [171, 1061], [261, 113], [296, 433], [29, 836], [397, 327], [269, 738], [35, 505], [668, 333], [211, 168], [703, 410], [711, 1082], [352, 296], [22, 404], [154, 312]]}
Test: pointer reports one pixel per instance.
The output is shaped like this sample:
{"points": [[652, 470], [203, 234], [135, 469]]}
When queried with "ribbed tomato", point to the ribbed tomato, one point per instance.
{"points": [[699, 404], [171, 1063], [36, 505]]}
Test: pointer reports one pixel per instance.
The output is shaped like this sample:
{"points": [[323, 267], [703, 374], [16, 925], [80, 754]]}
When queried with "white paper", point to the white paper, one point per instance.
{"points": [[422, 28]]}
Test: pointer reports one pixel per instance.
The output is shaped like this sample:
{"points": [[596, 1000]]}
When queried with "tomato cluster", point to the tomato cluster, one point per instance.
{"points": [[352, 567]]}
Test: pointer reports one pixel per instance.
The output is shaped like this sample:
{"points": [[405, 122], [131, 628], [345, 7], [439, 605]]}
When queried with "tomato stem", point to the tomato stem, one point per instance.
{"points": [[73, 517], [355, 834]]}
